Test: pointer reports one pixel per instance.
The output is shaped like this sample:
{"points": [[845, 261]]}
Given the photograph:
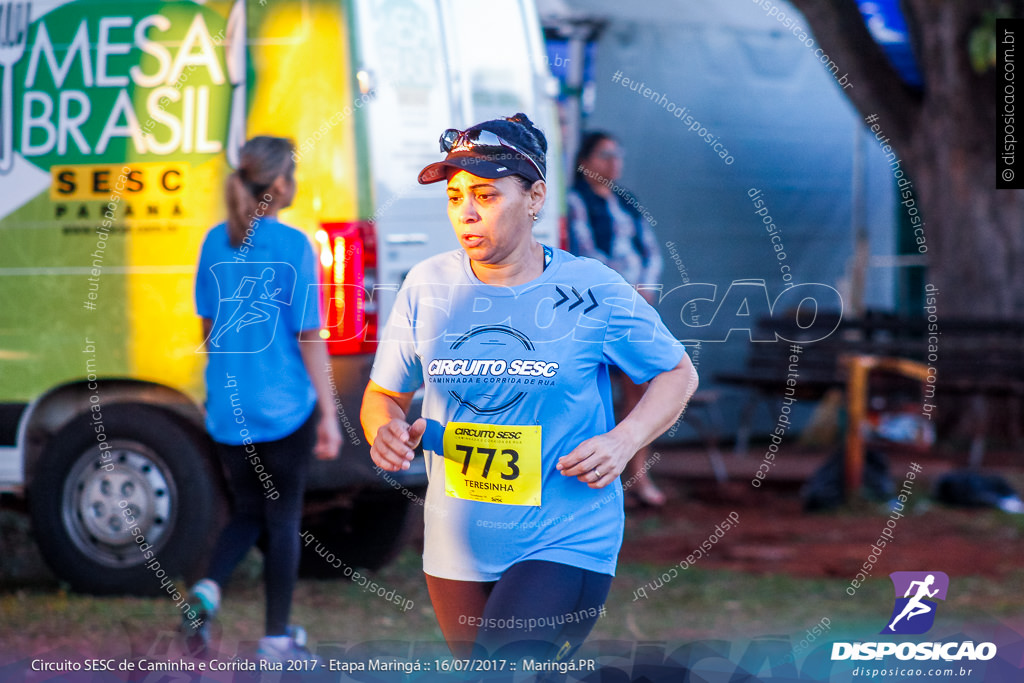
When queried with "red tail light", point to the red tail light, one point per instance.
{"points": [[348, 268]]}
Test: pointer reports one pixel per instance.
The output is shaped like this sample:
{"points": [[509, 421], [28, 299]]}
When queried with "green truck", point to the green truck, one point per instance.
{"points": [[118, 125]]}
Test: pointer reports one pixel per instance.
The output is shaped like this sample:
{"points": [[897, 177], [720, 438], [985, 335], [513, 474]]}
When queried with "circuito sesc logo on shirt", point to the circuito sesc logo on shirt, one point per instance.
{"points": [[471, 366]]}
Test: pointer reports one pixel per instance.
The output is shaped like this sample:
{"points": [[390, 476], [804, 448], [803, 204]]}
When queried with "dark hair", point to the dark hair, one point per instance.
{"points": [[260, 161], [588, 143], [521, 132]]}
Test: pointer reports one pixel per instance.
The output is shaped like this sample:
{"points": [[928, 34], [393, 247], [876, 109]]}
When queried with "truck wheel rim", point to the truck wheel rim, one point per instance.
{"points": [[112, 506]]}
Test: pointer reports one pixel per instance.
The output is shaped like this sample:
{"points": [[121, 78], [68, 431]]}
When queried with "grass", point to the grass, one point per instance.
{"points": [[38, 616], [695, 604]]}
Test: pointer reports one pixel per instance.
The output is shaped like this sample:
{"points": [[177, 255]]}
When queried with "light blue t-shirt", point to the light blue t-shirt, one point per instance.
{"points": [[260, 297], [555, 337]]}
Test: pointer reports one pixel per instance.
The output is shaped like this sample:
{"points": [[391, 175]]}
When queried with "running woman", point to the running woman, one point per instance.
{"points": [[513, 341], [266, 377]]}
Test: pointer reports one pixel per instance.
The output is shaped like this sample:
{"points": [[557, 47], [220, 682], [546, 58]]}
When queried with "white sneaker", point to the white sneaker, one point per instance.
{"points": [[285, 648]]}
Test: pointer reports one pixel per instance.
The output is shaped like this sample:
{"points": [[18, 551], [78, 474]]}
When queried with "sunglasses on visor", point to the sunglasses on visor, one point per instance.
{"points": [[454, 140]]}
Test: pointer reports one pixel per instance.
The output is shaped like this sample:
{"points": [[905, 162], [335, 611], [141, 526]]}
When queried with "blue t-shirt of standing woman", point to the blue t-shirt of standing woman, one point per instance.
{"points": [[260, 297]]}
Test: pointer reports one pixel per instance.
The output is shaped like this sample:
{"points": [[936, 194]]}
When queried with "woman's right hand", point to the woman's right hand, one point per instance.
{"points": [[328, 439], [392, 449]]}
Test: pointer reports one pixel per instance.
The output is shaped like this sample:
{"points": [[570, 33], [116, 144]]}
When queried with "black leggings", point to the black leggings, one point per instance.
{"points": [[283, 466], [538, 609]]}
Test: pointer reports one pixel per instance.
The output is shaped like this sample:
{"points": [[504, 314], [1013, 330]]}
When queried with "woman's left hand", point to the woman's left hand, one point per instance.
{"points": [[598, 461], [328, 439]]}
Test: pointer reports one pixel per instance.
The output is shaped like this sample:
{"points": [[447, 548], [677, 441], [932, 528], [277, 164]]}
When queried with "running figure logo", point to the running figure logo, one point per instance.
{"points": [[247, 318], [914, 613]]}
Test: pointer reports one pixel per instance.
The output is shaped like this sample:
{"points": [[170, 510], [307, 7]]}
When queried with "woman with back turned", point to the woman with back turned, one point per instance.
{"points": [[512, 340], [268, 404]]}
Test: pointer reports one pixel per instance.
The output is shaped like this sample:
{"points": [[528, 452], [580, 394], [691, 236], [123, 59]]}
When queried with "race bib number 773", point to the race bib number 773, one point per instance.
{"points": [[492, 463]]}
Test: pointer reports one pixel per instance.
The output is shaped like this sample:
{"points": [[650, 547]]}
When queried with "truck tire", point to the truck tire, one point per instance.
{"points": [[367, 535], [99, 512]]}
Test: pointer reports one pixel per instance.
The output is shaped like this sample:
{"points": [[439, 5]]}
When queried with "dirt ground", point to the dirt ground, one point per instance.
{"points": [[776, 536]]}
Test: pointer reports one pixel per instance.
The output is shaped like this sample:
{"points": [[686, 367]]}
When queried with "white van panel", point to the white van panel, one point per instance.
{"points": [[11, 473], [493, 49], [450, 75], [505, 71], [403, 55]]}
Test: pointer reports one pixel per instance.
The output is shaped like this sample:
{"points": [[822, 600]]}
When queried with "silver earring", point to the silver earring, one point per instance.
{"points": [[535, 217]]}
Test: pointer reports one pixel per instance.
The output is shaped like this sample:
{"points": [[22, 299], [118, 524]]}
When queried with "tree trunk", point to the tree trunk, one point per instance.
{"points": [[944, 138]]}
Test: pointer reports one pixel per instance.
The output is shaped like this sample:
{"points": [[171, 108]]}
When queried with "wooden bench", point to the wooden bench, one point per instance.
{"points": [[819, 368], [977, 361]]}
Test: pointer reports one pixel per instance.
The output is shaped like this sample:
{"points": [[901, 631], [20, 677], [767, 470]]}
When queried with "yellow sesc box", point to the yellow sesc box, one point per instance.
{"points": [[151, 181]]}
